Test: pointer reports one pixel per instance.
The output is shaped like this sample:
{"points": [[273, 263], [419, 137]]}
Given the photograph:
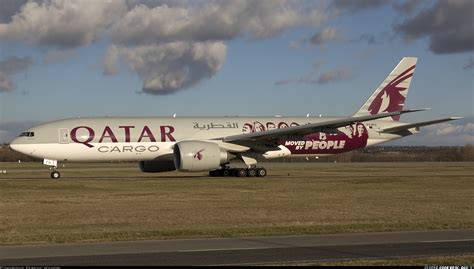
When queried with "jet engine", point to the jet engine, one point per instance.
{"points": [[199, 156], [156, 166]]}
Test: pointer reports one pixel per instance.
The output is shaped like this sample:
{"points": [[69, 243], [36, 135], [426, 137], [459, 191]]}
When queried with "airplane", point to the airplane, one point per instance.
{"points": [[216, 144]]}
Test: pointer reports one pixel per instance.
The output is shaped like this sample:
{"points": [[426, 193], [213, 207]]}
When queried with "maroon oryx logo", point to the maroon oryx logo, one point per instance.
{"points": [[390, 99], [198, 155]]}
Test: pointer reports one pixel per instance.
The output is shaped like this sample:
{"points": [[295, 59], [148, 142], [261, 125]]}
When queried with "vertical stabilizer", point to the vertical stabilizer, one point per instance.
{"points": [[390, 96]]}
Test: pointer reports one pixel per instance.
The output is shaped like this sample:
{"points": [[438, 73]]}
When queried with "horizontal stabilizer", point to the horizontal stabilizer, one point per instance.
{"points": [[417, 124], [416, 110]]}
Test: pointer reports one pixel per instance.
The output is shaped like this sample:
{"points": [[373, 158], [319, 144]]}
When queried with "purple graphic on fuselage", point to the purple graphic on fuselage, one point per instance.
{"points": [[271, 125], [282, 125], [392, 92], [344, 139], [257, 126]]}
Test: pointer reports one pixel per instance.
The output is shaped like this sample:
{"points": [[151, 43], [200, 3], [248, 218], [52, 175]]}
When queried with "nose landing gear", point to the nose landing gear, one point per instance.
{"points": [[53, 164], [55, 175]]}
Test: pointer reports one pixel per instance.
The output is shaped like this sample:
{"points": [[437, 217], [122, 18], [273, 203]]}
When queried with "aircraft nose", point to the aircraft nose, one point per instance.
{"points": [[18, 146], [14, 144]]}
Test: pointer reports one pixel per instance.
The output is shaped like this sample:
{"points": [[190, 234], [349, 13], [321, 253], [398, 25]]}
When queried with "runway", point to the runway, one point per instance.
{"points": [[246, 250]]}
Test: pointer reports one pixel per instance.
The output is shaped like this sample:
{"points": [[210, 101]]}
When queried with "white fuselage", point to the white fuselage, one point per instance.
{"points": [[139, 139]]}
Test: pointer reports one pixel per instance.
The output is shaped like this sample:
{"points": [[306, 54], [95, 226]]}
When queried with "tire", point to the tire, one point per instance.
{"points": [[261, 172], [213, 173], [55, 175], [251, 172], [239, 172], [226, 172]]}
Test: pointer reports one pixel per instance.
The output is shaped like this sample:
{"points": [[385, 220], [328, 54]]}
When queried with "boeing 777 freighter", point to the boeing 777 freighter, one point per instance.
{"points": [[215, 144]]}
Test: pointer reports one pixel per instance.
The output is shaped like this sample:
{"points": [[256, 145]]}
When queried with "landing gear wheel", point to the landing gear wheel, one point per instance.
{"points": [[55, 175], [251, 172], [261, 172], [240, 172], [213, 173], [226, 172]]}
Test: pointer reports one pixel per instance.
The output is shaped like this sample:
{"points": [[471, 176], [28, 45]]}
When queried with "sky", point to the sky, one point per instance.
{"points": [[62, 59]]}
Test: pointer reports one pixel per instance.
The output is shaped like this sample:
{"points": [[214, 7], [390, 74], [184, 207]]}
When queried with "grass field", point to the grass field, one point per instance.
{"points": [[459, 260], [107, 202]]}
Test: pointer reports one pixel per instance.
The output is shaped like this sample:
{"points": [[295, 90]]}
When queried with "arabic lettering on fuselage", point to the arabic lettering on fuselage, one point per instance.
{"points": [[212, 125]]}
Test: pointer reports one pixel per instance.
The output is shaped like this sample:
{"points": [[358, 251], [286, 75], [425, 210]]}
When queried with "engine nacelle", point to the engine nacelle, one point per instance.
{"points": [[198, 156], [156, 166]]}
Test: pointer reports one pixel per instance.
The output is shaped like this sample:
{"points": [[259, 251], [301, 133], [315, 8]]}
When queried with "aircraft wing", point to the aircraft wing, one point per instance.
{"points": [[417, 124], [307, 129]]}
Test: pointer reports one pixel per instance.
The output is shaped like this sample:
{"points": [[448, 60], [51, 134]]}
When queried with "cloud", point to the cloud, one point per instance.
{"points": [[192, 32], [370, 39], [469, 64], [284, 82], [62, 24], [459, 133], [294, 45], [10, 8], [173, 47], [110, 61], [358, 5], [312, 77], [408, 7], [11, 67], [6, 84], [334, 75], [443, 129], [59, 55], [324, 36], [453, 133], [15, 65], [168, 67], [447, 24], [214, 21]]}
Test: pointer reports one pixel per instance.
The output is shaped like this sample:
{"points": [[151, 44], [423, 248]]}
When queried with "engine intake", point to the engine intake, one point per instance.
{"points": [[199, 156]]}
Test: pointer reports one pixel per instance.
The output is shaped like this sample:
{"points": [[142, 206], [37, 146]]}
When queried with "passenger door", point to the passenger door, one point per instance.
{"points": [[63, 136]]}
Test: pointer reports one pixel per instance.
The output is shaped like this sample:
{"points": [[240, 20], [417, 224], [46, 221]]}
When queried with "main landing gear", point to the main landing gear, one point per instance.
{"points": [[239, 172]]}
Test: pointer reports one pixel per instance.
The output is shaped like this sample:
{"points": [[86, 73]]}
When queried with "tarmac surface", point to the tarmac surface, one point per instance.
{"points": [[246, 250]]}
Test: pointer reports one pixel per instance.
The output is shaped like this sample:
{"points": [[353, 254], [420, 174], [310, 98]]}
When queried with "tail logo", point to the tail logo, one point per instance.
{"points": [[390, 98], [198, 155]]}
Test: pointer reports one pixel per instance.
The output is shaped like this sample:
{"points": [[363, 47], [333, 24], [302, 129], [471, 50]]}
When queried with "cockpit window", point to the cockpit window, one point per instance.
{"points": [[27, 134]]}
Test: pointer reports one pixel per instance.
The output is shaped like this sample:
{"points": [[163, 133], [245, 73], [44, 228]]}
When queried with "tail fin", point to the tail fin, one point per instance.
{"points": [[391, 94]]}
